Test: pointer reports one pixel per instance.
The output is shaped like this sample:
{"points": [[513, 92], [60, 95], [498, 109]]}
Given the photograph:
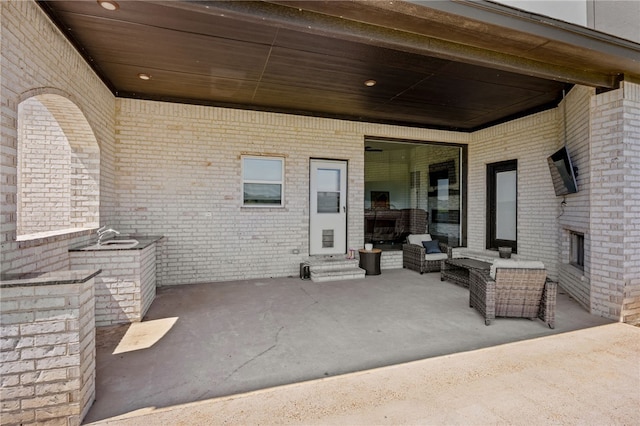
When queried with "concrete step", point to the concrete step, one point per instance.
{"points": [[327, 268], [331, 263], [350, 273]]}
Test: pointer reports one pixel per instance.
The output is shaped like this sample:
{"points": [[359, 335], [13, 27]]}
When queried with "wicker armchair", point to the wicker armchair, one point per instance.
{"points": [[414, 257], [514, 292]]}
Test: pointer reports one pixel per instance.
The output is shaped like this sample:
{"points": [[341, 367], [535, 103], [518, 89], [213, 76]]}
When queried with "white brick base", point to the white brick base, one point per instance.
{"points": [[48, 353]]}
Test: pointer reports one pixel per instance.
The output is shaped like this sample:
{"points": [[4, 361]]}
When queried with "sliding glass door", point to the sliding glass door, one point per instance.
{"points": [[412, 188]]}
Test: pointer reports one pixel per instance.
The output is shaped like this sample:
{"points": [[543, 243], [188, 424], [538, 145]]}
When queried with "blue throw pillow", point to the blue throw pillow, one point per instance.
{"points": [[431, 246]]}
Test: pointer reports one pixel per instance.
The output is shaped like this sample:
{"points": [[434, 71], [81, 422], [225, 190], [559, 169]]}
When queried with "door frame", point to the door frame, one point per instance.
{"points": [[344, 203], [492, 242]]}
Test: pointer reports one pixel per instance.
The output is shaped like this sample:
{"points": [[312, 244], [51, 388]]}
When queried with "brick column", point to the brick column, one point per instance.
{"points": [[615, 204], [48, 351]]}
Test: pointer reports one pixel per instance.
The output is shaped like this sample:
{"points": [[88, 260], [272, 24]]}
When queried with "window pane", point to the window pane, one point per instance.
{"points": [[506, 205], [411, 188], [261, 193], [443, 189], [328, 180], [262, 169], [577, 250], [328, 202]]}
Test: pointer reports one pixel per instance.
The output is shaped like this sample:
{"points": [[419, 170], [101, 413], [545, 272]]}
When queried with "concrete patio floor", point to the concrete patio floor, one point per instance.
{"points": [[398, 348]]}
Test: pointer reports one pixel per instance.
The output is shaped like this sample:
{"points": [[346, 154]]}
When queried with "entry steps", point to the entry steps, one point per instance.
{"points": [[329, 268]]}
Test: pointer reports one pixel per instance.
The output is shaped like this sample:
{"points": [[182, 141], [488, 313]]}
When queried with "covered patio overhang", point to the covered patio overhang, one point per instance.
{"points": [[457, 65]]}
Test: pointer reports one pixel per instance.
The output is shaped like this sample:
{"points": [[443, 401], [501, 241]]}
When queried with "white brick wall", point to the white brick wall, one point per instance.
{"points": [[36, 60], [45, 170], [58, 166], [631, 116], [615, 213], [127, 285], [47, 348], [233, 242], [607, 219], [178, 175], [530, 140], [575, 215], [147, 279]]}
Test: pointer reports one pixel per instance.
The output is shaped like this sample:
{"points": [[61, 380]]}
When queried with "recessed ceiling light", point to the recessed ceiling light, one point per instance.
{"points": [[370, 83], [109, 4], [143, 76]]}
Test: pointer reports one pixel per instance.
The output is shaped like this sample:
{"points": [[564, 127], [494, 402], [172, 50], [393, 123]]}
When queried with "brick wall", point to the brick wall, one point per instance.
{"points": [[126, 286], [615, 215], [575, 216], [178, 175], [45, 170], [544, 225], [631, 115], [48, 353], [58, 168], [607, 217], [530, 140], [37, 60], [84, 160], [147, 279]]}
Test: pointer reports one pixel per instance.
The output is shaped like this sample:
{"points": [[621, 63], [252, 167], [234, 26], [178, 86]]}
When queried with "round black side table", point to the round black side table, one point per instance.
{"points": [[370, 261]]}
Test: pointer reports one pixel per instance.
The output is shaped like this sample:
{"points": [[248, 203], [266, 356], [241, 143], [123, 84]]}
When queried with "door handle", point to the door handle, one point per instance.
{"points": [[344, 209]]}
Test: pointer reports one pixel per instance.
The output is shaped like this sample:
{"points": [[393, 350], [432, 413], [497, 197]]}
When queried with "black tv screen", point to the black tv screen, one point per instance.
{"points": [[562, 172]]}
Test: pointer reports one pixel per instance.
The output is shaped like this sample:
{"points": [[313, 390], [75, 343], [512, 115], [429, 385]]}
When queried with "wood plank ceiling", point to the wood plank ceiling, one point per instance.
{"points": [[209, 53]]}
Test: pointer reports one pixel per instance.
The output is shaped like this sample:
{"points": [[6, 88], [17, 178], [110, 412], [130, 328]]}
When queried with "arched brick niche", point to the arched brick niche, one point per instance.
{"points": [[58, 168]]}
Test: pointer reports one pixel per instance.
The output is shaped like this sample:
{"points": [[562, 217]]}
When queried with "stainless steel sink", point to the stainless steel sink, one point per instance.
{"points": [[113, 245]]}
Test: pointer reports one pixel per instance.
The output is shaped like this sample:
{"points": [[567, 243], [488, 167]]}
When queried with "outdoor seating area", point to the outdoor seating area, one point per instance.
{"points": [[497, 287], [504, 287]]}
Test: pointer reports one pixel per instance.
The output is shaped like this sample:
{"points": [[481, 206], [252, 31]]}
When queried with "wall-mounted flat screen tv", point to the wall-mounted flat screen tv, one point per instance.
{"points": [[563, 174]]}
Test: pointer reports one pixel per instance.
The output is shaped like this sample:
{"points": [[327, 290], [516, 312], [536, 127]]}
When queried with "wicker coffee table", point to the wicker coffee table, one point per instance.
{"points": [[457, 270]]}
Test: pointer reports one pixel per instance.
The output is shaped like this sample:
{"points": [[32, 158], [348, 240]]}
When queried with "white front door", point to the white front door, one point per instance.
{"points": [[328, 207]]}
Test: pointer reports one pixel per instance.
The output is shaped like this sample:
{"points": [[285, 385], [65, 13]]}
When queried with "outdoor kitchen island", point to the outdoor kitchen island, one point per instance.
{"points": [[127, 286]]}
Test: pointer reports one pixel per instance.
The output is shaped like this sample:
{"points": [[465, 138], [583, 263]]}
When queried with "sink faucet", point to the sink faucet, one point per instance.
{"points": [[104, 231]]}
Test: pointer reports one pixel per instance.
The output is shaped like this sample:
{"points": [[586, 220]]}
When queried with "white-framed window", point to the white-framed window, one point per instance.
{"points": [[262, 181]]}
